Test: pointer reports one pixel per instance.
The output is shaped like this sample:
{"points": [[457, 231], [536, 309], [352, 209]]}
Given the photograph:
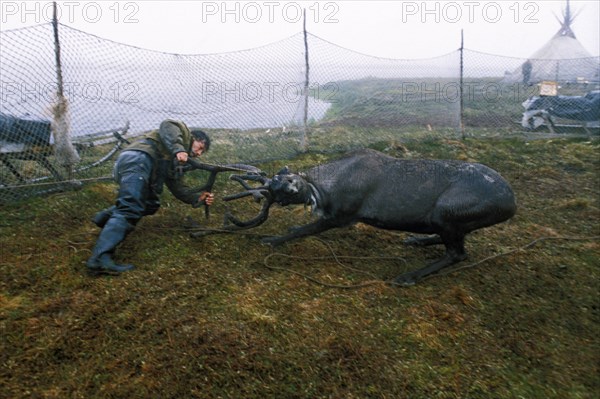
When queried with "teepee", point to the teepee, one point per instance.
{"points": [[562, 59]]}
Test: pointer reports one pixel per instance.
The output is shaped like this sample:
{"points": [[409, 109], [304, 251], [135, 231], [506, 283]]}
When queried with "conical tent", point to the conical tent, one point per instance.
{"points": [[562, 59]]}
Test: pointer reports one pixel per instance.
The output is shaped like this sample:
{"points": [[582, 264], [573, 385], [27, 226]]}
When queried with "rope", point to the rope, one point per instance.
{"points": [[53, 183], [370, 283], [337, 260], [529, 245], [314, 280], [376, 282], [367, 283]]}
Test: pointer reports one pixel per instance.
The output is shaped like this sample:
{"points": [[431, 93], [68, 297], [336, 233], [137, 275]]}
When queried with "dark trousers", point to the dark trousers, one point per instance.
{"points": [[136, 198]]}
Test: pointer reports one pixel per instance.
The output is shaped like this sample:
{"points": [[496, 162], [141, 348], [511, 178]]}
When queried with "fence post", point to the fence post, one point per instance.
{"points": [[65, 153], [461, 88], [304, 140], [59, 79]]}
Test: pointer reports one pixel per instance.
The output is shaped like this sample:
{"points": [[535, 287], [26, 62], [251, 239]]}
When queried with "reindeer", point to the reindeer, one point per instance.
{"points": [[446, 199]]}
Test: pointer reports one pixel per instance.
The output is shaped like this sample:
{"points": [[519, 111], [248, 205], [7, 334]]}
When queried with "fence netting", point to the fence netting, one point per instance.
{"points": [[255, 104]]}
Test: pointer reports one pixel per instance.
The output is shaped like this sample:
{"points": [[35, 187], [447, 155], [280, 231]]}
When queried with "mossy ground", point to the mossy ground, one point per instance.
{"points": [[206, 318]]}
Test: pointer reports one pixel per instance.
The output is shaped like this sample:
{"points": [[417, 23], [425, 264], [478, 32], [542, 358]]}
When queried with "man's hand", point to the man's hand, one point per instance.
{"points": [[207, 197], [182, 156]]}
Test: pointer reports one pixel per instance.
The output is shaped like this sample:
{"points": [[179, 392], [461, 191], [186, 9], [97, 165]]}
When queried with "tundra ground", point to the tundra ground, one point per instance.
{"points": [[226, 317]]}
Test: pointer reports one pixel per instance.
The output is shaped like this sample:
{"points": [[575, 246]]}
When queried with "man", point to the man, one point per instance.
{"points": [[140, 170]]}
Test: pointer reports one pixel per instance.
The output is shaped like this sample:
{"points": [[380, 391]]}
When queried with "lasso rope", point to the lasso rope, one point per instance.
{"points": [[370, 283], [58, 183], [337, 258]]}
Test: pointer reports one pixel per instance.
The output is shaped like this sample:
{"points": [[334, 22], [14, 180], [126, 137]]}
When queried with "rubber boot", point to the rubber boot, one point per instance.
{"points": [[102, 217], [114, 232]]}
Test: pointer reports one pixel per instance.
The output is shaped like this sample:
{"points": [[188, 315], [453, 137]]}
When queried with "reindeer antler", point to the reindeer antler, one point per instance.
{"points": [[258, 193], [193, 164]]}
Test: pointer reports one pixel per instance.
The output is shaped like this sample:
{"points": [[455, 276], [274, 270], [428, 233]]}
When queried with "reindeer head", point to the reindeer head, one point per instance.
{"points": [[284, 188], [289, 188]]}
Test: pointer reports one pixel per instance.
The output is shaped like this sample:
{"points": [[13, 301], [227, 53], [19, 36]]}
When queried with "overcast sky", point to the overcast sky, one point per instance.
{"points": [[390, 29]]}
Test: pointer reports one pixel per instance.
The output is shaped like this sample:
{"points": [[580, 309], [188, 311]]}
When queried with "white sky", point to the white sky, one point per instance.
{"points": [[391, 29]]}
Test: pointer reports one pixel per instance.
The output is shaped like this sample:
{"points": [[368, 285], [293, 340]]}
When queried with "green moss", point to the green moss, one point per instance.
{"points": [[205, 318]]}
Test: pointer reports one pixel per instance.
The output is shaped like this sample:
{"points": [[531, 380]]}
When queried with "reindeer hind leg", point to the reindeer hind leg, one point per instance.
{"points": [[455, 252], [423, 241]]}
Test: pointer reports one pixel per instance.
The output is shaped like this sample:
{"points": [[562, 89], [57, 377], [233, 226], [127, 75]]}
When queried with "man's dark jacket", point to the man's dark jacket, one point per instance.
{"points": [[162, 145]]}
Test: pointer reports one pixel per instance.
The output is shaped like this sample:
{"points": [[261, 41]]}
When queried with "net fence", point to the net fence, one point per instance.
{"points": [[256, 104]]}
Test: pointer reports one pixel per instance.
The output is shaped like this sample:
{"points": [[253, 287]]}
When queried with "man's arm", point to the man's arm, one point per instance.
{"points": [[194, 196], [172, 137]]}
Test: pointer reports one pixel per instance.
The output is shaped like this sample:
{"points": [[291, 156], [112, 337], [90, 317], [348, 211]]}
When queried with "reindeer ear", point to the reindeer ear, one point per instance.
{"points": [[284, 171]]}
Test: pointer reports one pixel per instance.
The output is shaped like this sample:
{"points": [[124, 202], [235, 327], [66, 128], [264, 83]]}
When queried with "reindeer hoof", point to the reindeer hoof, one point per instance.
{"points": [[197, 234], [413, 241], [272, 241], [404, 280]]}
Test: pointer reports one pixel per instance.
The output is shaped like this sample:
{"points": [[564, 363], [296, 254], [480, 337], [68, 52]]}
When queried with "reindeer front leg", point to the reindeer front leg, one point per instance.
{"points": [[315, 227]]}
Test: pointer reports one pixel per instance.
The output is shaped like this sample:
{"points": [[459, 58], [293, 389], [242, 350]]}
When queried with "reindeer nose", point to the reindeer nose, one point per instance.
{"points": [[291, 186]]}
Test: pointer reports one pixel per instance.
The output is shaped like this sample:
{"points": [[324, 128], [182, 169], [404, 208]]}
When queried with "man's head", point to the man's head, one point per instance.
{"points": [[200, 144]]}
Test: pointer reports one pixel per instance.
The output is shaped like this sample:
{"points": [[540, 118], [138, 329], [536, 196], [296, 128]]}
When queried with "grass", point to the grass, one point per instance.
{"points": [[204, 318], [487, 102]]}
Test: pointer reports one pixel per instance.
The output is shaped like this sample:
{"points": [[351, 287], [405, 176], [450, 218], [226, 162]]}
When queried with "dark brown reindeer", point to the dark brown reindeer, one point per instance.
{"points": [[446, 199]]}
